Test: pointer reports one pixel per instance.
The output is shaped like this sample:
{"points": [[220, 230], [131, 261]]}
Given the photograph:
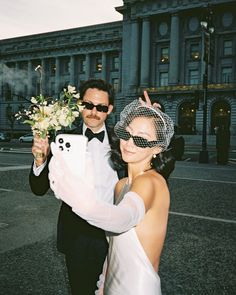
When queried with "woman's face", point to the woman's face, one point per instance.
{"points": [[141, 127]]}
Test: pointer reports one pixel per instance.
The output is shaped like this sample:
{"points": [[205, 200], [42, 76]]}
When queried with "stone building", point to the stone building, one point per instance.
{"points": [[160, 45]]}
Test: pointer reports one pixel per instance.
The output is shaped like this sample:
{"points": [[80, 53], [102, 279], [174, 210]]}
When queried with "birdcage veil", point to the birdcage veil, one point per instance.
{"points": [[163, 124]]}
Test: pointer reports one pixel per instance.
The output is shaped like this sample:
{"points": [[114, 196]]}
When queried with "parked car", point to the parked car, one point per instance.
{"points": [[4, 136], [26, 138]]}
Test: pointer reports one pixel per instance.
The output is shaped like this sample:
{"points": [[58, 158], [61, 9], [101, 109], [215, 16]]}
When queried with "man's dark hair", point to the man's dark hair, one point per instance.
{"points": [[98, 84]]}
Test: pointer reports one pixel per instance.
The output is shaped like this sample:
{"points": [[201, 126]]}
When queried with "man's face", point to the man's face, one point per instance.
{"points": [[93, 118]]}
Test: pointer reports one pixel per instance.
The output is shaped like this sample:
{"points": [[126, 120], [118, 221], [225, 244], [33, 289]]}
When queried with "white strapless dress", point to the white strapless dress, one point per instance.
{"points": [[129, 271]]}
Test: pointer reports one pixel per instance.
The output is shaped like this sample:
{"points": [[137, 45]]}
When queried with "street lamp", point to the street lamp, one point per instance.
{"points": [[207, 31], [40, 71]]}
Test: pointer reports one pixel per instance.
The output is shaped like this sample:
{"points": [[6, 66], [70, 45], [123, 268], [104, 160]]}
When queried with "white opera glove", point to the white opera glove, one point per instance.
{"points": [[80, 194], [101, 281], [64, 182]]}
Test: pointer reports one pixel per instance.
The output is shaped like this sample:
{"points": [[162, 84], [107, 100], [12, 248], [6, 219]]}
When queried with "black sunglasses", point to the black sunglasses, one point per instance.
{"points": [[99, 107], [138, 140]]}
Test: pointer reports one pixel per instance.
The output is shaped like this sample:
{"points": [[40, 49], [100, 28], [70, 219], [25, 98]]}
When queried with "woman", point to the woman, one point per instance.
{"points": [[138, 221]]}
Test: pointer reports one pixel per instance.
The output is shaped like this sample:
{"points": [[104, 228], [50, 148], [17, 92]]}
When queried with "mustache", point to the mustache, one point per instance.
{"points": [[93, 117]]}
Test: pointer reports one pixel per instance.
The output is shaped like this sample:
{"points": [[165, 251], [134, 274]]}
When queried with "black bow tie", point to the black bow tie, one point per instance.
{"points": [[89, 133]]}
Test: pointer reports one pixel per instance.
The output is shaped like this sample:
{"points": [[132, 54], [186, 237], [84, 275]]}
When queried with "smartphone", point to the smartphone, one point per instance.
{"points": [[73, 148]]}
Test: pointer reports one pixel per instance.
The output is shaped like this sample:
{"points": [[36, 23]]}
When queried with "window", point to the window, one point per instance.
{"points": [[21, 93], [187, 118], [82, 63], [9, 111], [115, 63], [98, 64], [65, 63], [36, 86], [81, 82], [193, 77], [23, 66], [194, 52], [164, 54], [52, 67], [7, 92], [228, 47], [226, 75], [164, 76], [115, 84], [52, 88]]}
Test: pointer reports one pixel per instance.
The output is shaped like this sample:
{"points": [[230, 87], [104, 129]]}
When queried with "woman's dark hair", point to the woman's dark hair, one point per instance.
{"points": [[163, 163], [116, 160], [98, 84]]}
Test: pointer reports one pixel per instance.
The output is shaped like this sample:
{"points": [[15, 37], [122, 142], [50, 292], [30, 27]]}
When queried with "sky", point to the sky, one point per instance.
{"points": [[27, 17]]}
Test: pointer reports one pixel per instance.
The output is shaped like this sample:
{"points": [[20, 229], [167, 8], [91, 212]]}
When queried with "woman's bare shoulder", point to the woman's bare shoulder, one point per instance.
{"points": [[149, 186], [149, 180]]}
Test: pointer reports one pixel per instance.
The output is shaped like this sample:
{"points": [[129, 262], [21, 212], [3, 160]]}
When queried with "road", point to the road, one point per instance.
{"points": [[199, 252]]}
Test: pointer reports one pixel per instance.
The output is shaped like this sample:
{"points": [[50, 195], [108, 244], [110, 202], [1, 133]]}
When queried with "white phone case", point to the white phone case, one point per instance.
{"points": [[73, 148]]}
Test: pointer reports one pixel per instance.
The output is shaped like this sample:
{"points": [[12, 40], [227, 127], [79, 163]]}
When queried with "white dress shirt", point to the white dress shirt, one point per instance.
{"points": [[105, 177]]}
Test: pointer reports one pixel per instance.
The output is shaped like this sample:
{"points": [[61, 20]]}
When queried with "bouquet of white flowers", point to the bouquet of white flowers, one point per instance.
{"points": [[45, 114]]}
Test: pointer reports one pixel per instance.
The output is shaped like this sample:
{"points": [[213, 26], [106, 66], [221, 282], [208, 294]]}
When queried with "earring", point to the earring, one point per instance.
{"points": [[154, 156]]}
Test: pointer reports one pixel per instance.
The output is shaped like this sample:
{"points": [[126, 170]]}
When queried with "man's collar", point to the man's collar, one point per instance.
{"points": [[101, 129]]}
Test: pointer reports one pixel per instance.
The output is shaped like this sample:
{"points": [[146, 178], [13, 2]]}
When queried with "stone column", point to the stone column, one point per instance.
{"points": [[145, 53], [134, 50], [87, 66], [29, 82], [57, 76], [174, 50], [104, 66], [72, 70], [2, 78], [43, 77], [18, 77]]}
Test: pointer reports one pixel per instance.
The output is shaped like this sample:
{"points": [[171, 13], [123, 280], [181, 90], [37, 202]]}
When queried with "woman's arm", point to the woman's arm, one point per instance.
{"points": [[80, 194], [101, 281]]}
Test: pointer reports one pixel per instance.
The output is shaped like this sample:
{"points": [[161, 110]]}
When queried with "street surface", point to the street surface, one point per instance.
{"points": [[199, 252]]}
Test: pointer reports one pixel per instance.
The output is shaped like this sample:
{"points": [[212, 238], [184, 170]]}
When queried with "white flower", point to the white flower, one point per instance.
{"points": [[44, 115], [71, 89], [76, 95], [33, 100]]}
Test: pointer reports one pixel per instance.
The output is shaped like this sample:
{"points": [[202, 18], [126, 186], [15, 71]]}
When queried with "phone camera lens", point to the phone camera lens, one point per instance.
{"points": [[61, 148], [68, 145], [61, 140]]}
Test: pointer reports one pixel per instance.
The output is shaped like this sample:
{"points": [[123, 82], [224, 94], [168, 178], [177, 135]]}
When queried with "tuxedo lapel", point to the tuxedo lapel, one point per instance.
{"points": [[78, 129]]}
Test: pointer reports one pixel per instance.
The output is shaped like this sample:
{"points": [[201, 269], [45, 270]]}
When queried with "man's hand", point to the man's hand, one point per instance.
{"points": [[40, 149]]}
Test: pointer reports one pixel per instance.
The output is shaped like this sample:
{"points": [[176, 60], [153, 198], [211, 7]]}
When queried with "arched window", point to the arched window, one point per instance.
{"points": [[187, 118], [220, 115]]}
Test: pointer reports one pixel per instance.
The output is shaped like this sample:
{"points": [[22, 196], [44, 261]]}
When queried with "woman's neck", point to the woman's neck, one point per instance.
{"points": [[136, 170]]}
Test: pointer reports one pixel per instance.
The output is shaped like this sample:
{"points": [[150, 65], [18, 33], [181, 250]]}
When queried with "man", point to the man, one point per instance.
{"points": [[85, 246]]}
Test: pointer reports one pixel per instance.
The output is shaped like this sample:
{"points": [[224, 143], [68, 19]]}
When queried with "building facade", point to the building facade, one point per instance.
{"points": [[158, 46]]}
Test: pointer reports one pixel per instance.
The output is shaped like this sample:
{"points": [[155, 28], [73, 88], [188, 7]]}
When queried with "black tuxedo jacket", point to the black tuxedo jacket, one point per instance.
{"points": [[71, 228]]}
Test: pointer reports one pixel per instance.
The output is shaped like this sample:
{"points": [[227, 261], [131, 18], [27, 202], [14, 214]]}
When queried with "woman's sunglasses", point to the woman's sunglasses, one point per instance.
{"points": [[138, 140], [99, 107]]}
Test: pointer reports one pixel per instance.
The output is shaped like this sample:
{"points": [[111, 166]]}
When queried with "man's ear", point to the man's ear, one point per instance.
{"points": [[110, 108]]}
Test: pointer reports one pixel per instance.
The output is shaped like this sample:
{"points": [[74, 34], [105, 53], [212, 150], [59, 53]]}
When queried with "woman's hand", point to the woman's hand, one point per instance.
{"points": [[147, 101], [40, 149]]}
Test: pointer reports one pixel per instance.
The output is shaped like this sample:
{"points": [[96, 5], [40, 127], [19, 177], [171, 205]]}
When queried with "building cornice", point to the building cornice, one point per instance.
{"points": [[189, 88], [142, 8]]}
